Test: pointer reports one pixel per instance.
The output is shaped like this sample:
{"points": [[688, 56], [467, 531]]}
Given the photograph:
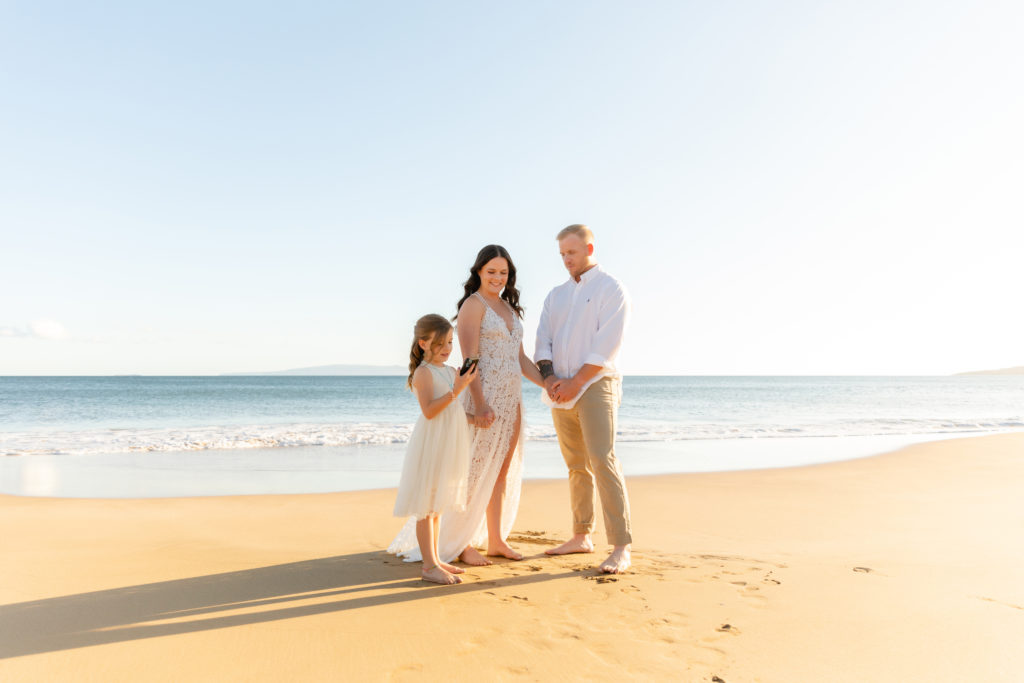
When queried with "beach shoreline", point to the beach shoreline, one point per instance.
{"points": [[901, 566], [327, 469]]}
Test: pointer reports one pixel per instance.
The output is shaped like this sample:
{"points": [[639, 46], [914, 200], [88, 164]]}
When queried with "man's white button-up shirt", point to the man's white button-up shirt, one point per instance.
{"points": [[582, 324]]}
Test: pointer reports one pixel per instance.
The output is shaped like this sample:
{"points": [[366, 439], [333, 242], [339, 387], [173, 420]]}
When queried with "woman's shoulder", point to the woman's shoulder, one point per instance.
{"points": [[472, 307]]}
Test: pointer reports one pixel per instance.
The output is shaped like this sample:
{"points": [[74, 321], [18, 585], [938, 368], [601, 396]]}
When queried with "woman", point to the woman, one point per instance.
{"points": [[489, 327]]}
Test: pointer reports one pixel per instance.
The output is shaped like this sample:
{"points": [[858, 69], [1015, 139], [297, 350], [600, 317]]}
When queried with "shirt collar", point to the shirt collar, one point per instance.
{"points": [[587, 276]]}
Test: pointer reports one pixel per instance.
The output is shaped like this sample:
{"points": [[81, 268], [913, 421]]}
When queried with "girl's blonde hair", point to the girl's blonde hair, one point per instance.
{"points": [[430, 325]]}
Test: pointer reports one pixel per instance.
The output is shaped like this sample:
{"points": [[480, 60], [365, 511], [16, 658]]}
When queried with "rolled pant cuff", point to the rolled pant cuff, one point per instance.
{"points": [[583, 528], [626, 539]]}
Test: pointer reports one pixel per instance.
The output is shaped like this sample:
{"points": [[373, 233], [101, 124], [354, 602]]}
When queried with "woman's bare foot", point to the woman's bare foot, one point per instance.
{"points": [[472, 557], [451, 569], [579, 543], [503, 549], [618, 562], [438, 575]]}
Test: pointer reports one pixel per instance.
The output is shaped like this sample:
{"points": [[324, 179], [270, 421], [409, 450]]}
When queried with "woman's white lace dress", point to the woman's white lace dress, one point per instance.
{"points": [[500, 375]]}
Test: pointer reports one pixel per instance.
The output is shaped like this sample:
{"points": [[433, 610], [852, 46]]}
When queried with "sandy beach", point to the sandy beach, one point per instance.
{"points": [[902, 567]]}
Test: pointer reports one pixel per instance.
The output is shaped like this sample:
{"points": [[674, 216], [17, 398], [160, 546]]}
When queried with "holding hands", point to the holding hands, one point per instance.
{"points": [[561, 389], [484, 417]]}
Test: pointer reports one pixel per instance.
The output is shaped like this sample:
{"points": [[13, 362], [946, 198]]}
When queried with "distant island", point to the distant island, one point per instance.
{"points": [[1019, 370], [359, 370]]}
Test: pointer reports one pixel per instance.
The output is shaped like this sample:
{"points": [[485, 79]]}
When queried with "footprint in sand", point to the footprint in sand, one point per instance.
{"points": [[603, 578], [535, 537], [998, 602], [516, 599]]}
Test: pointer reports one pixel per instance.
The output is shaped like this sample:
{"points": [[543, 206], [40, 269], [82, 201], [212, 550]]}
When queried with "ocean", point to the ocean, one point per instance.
{"points": [[149, 436]]}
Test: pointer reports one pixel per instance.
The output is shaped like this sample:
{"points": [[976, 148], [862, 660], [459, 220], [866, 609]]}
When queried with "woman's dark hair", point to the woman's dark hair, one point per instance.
{"points": [[432, 327], [509, 294]]}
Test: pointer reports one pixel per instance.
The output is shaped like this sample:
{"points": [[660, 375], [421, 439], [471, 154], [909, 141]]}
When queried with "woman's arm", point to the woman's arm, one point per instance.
{"points": [[530, 370], [471, 316]]}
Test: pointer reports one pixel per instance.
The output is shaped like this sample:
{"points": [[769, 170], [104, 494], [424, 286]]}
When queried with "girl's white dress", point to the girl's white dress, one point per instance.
{"points": [[501, 377], [436, 468]]}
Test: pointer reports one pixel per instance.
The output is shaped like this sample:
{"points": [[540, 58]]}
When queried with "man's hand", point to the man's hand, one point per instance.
{"points": [[564, 390]]}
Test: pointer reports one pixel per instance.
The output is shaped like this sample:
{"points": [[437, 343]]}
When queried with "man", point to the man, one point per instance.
{"points": [[578, 339]]}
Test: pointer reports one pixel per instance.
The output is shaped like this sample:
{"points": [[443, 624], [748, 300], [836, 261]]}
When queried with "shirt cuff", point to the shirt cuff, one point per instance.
{"points": [[541, 355], [594, 359]]}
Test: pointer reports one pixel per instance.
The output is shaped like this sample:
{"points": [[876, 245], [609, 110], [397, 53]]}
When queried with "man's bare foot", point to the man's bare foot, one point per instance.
{"points": [[579, 543], [472, 556], [503, 549], [451, 569], [437, 575], [618, 562]]}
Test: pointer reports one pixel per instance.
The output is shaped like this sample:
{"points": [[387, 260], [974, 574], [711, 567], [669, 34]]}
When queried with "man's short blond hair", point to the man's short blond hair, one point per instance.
{"points": [[578, 229]]}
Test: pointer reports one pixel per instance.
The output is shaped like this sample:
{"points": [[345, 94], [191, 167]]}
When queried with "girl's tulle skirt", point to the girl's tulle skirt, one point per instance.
{"points": [[436, 468]]}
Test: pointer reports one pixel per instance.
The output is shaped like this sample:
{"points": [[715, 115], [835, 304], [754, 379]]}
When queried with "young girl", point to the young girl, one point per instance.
{"points": [[437, 460]]}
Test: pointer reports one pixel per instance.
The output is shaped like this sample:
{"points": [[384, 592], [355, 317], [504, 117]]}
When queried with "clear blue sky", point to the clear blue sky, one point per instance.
{"points": [[784, 187]]}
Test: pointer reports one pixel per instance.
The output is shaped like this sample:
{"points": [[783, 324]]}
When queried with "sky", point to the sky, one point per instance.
{"points": [[783, 188]]}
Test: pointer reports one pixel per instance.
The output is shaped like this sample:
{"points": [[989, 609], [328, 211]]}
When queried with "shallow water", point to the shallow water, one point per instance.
{"points": [[181, 436]]}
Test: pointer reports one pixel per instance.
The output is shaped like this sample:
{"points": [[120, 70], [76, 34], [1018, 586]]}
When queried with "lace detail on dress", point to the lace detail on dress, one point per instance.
{"points": [[502, 384], [501, 377]]}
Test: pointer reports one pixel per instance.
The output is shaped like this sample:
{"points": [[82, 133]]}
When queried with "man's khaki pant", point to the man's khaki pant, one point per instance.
{"points": [[586, 435]]}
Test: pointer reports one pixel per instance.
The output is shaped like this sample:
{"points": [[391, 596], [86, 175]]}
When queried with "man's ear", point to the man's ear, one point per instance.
{"points": [[590, 249]]}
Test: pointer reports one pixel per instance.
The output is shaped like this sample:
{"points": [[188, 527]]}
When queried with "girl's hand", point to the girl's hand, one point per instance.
{"points": [[462, 381], [484, 418]]}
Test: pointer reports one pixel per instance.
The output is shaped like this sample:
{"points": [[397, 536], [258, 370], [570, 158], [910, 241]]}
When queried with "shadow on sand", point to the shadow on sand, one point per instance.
{"points": [[200, 603]]}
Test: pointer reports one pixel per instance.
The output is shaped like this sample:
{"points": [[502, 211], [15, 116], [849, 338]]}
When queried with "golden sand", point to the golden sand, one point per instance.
{"points": [[902, 567]]}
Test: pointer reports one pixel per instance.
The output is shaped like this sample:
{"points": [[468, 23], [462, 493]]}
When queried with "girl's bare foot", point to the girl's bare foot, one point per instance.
{"points": [[472, 556], [502, 549], [451, 569], [438, 575]]}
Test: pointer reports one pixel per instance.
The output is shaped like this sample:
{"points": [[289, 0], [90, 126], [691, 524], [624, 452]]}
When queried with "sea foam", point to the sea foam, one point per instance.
{"points": [[91, 441]]}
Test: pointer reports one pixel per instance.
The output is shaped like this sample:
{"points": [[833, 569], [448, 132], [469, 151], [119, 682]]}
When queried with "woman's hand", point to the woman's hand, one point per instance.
{"points": [[484, 418]]}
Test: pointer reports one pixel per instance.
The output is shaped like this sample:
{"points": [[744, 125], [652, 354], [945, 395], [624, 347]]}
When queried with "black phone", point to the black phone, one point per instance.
{"points": [[468, 364]]}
